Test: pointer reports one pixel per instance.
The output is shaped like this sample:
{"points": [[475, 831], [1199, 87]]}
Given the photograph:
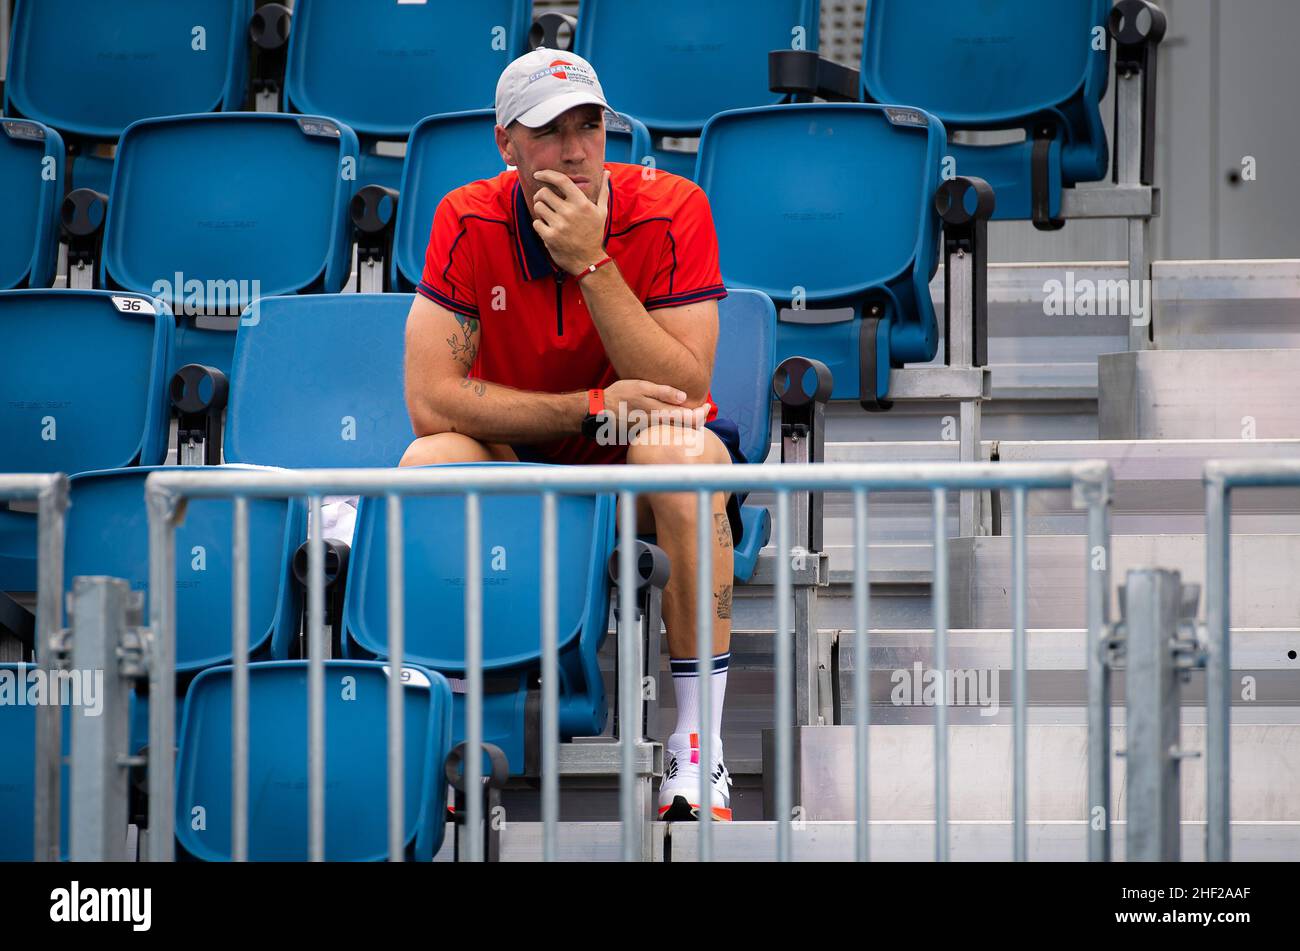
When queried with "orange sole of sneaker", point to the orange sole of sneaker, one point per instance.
{"points": [[683, 811]]}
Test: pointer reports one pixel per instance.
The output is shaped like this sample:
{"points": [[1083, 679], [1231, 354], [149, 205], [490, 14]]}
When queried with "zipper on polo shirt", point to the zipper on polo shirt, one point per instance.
{"points": [[559, 304]]}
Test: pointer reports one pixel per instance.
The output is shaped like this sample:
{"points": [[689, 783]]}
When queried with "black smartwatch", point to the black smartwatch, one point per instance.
{"points": [[595, 418]]}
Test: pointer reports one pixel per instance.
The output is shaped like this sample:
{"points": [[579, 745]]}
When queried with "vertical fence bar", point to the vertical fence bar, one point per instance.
{"points": [[704, 663], [162, 676], [52, 503], [315, 685], [474, 675], [861, 677], [1020, 674], [550, 680], [784, 674], [239, 685], [1218, 712], [1098, 591], [939, 593], [629, 689], [396, 689]]}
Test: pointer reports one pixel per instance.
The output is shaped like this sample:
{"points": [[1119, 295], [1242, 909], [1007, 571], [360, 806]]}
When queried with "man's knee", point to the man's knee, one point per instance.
{"points": [[676, 445], [444, 448]]}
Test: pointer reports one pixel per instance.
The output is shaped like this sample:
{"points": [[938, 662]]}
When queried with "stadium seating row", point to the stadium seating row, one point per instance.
{"points": [[861, 310], [309, 407], [1042, 69]]}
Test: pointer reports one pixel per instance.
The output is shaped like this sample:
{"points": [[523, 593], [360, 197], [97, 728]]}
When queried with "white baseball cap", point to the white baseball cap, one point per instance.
{"points": [[540, 85]]}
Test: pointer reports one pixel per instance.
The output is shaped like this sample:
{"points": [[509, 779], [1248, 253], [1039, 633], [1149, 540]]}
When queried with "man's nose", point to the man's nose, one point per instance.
{"points": [[571, 148]]}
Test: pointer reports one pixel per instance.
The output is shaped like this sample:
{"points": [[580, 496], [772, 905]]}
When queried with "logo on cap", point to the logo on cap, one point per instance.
{"points": [[564, 70]]}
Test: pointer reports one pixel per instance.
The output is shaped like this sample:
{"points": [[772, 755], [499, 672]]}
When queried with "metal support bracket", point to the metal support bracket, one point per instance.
{"points": [[106, 648]]}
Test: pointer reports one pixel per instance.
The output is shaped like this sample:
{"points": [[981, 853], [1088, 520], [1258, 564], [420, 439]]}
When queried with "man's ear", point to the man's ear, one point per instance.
{"points": [[505, 146]]}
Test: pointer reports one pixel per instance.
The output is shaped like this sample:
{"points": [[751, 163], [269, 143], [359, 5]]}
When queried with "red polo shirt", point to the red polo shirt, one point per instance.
{"points": [[486, 261]]}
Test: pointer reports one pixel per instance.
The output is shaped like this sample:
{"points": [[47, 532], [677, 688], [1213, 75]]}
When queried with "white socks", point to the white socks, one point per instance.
{"points": [[686, 684]]}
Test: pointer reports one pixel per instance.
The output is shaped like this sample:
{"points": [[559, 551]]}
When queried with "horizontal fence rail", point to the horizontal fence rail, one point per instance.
{"points": [[50, 492], [1221, 477], [166, 492]]}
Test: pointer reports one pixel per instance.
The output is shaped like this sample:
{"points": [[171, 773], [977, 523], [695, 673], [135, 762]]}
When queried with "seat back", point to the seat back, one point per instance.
{"points": [[434, 552], [674, 63], [203, 215], [384, 70], [998, 64], [82, 380], [31, 187], [18, 764], [742, 370], [447, 151], [108, 534], [821, 250], [317, 382], [356, 762], [91, 69]]}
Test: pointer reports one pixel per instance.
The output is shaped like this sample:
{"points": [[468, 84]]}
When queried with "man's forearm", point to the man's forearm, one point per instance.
{"points": [[636, 345], [491, 412]]}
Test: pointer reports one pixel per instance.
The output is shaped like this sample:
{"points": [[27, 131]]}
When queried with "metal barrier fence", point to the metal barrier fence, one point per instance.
{"points": [[1221, 477], [167, 491], [50, 493]]}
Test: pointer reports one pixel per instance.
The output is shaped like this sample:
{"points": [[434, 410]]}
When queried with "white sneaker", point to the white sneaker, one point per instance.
{"points": [[679, 792]]}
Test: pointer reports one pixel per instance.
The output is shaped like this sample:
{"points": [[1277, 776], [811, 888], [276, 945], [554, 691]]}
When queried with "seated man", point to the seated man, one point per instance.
{"points": [[568, 286]]}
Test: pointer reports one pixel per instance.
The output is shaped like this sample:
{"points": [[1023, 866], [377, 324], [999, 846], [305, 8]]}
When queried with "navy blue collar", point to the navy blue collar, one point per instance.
{"points": [[530, 249]]}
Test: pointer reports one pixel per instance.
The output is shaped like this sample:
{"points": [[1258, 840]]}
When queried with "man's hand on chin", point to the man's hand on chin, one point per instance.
{"points": [[570, 224]]}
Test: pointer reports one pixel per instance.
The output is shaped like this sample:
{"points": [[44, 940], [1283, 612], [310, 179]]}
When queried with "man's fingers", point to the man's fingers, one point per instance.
{"points": [[547, 197], [546, 213], [543, 229], [603, 201], [666, 394], [560, 182]]}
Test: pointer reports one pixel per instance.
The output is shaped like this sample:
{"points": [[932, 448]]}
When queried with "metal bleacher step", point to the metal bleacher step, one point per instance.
{"points": [[1180, 394], [811, 840], [1264, 592]]}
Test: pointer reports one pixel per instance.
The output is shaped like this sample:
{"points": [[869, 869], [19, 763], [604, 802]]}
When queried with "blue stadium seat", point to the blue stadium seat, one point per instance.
{"points": [[206, 197], [31, 187], [742, 390], [317, 382], [82, 387], [675, 63], [835, 260], [434, 532], [383, 70], [356, 763], [447, 151], [91, 69], [108, 534], [18, 769], [999, 64]]}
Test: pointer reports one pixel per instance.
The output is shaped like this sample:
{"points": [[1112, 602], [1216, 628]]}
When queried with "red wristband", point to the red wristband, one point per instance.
{"points": [[595, 402], [592, 269]]}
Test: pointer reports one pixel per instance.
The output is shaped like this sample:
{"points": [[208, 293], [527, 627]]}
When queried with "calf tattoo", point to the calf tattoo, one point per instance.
{"points": [[723, 596], [723, 526]]}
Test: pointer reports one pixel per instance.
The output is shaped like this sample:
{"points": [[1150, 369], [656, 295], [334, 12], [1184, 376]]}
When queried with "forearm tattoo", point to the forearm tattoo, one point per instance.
{"points": [[478, 386]]}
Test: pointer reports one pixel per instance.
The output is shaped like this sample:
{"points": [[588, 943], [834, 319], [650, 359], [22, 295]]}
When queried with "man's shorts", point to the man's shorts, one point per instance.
{"points": [[723, 428]]}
